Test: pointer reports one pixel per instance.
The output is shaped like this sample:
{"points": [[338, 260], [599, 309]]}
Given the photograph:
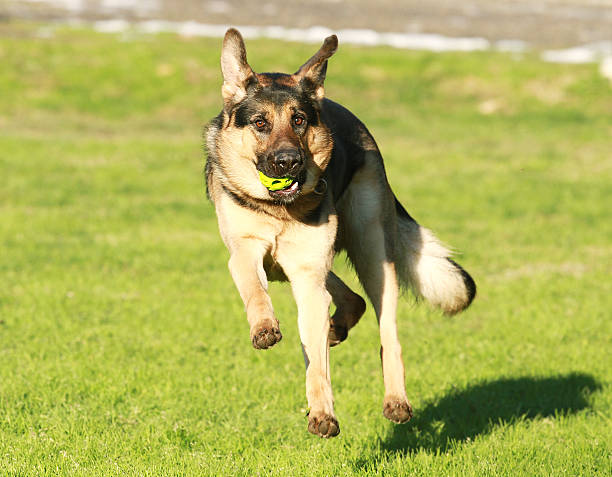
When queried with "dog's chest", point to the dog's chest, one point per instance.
{"points": [[282, 247], [288, 246]]}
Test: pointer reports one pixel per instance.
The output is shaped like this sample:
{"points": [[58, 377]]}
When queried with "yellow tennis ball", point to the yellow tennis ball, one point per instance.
{"points": [[275, 183]]}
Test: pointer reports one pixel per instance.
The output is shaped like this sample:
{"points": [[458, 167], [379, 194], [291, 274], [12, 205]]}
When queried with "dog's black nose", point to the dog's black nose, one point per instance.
{"points": [[286, 162]]}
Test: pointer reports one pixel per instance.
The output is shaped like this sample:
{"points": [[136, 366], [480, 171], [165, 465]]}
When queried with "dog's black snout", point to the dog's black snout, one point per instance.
{"points": [[286, 162]]}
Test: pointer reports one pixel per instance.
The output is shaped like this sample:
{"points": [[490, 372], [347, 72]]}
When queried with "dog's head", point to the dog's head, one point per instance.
{"points": [[272, 125]]}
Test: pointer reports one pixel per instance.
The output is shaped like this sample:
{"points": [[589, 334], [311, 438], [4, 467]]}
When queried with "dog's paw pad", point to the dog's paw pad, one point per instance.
{"points": [[397, 410], [325, 426], [265, 336]]}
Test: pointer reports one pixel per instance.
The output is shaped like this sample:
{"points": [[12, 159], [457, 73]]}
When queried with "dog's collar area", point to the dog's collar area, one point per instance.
{"points": [[321, 187]]}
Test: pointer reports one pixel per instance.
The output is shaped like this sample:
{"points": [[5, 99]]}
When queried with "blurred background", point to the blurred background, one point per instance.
{"points": [[544, 23]]}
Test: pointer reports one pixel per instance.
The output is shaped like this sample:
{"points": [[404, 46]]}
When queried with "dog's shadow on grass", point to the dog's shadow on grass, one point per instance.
{"points": [[464, 414]]}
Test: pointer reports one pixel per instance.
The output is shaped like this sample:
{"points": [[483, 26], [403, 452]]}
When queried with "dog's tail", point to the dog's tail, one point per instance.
{"points": [[425, 266]]}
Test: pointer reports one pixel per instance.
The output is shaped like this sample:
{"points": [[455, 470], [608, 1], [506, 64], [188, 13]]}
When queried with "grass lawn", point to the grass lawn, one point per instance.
{"points": [[124, 348]]}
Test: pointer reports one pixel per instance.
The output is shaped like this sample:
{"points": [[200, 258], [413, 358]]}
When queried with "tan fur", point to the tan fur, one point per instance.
{"points": [[270, 240]]}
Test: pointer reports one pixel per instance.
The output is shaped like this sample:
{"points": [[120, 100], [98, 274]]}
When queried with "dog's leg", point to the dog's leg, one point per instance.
{"points": [[246, 267], [349, 309], [370, 239], [379, 278], [313, 302], [307, 272]]}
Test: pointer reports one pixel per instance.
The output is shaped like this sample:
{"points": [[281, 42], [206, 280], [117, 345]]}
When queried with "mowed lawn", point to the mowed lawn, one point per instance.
{"points": [[124, 348]]}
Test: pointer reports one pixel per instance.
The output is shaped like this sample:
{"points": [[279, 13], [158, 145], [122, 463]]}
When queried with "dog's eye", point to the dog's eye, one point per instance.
{"points": [[260, 123], [298, 120]]}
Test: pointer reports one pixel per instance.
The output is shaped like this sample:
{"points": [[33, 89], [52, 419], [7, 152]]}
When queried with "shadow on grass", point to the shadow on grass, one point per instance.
{"points": [[464, 414]]}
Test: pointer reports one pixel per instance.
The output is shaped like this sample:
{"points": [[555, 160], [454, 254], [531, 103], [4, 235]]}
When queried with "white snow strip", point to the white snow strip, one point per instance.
{"points": [[570, 55], [111, 26], [432, 42], [315, 34], [513, 46], [413, 41], [590, 53]]}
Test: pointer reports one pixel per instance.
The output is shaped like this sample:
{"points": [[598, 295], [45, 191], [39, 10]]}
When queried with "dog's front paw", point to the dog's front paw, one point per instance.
{"points": [[323, 425], [397, 410], [265, 335]]}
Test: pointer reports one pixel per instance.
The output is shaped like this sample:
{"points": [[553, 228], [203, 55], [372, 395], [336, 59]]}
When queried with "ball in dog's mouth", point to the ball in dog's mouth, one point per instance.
{"points": [[288, 192], [275, 183], [283, 188]]}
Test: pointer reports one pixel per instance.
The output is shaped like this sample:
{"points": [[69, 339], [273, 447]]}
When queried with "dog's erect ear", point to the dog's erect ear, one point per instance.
{"points": [[314, 69], [236, 71]]}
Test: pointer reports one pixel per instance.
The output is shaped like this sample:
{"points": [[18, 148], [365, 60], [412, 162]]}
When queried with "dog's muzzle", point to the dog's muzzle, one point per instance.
{"points": [[285, 162]]}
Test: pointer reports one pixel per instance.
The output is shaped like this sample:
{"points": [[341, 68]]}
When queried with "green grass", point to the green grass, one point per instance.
{"points": [[124, 349]]}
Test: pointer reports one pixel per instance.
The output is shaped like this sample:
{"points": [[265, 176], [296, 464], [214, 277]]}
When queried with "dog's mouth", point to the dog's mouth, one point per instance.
{"points": [[289, 191], [283, 189]]}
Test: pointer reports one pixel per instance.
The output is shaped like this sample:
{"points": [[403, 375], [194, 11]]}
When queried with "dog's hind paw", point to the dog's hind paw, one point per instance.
{"points": [[324, 426], [337, 334], [397, 410], [346, 316], [265, 335]]}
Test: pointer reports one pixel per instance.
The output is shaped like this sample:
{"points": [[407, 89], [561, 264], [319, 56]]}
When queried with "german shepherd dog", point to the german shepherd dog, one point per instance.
{"points": [[296, 178]]}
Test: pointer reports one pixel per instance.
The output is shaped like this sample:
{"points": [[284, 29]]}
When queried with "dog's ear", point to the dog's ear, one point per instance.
{"points": [[313, 71], [237, 73]]}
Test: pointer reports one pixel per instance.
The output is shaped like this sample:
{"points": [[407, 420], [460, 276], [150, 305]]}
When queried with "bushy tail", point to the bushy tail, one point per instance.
{"points": [[425, 266]]}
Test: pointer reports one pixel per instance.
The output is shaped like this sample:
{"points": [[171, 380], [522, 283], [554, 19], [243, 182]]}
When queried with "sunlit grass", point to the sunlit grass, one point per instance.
{"points": [[124, 348]]}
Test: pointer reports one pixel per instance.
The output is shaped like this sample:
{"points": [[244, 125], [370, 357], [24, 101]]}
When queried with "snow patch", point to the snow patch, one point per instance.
{"points": [[580, 54], [590, 53]]}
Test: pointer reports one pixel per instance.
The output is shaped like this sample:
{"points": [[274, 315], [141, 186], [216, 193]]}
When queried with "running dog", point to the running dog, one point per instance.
{"points": [[296, 178]]}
